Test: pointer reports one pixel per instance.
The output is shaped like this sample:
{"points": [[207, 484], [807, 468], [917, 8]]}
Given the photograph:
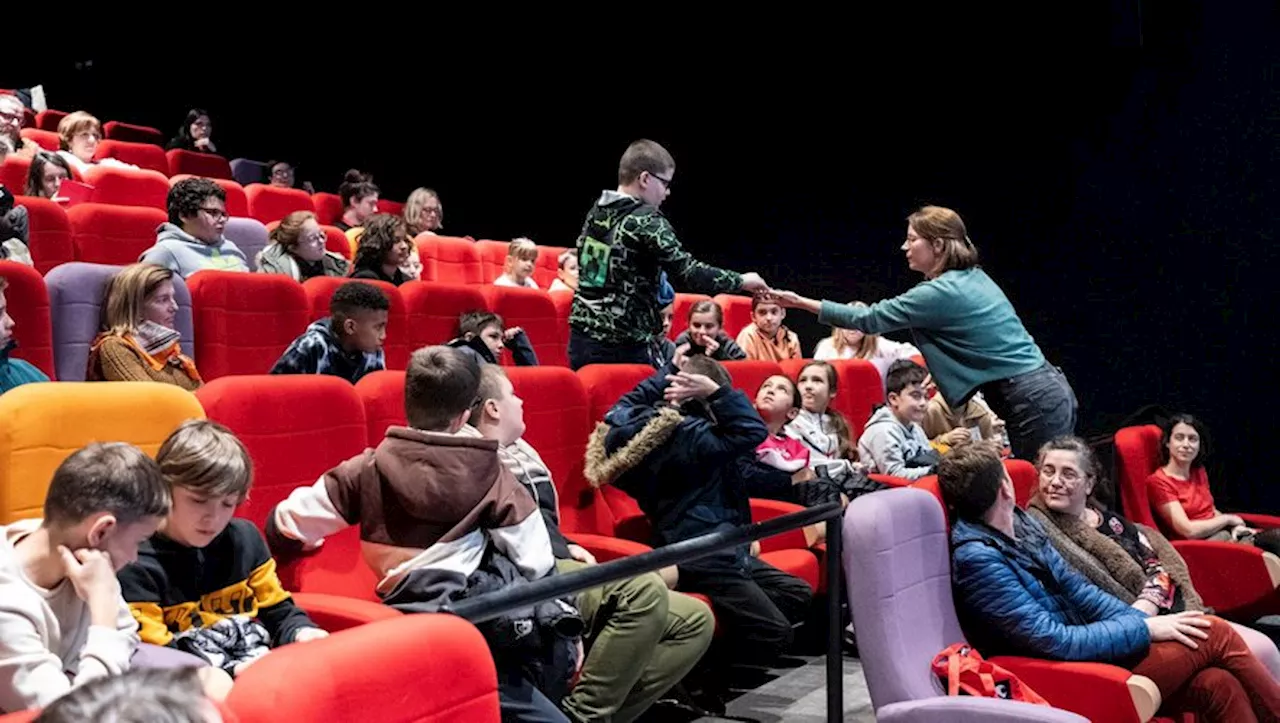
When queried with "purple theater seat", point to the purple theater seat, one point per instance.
{"points": [[246, 171], [76, 292], [250, 235], [897, 562]]}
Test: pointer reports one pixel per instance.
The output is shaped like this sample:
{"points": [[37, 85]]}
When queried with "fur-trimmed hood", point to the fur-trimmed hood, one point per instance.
{"points": [[633, 435]]}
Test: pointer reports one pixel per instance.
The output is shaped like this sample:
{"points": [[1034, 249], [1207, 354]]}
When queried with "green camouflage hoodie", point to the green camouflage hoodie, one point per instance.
{"points": [[624, 247]]}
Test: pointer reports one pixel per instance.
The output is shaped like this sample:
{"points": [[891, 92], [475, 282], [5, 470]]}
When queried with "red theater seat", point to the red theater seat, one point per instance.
{"points": [[395, 208], [209, 165], [13, 174], [48, 120], [859, 389], [396, 348], [434, 310], [48, 140], [546, 271], [563, 301], [28, 302], [533, 311], [749, 374], [237, 202], [114, 235], [449, 259], [328, 207], [128, 186], [680, 312], [243, 321], [143, 155], [131, 133], [428, 668], [737, 312], [382, 394], [269, 203], [493, 259], [50, 233]]}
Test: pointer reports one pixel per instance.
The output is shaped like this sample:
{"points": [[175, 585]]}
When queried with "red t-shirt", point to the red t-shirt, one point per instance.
{"points": [[1192, 494]]}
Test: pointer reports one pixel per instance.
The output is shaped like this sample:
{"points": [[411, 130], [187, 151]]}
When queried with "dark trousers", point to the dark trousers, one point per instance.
{"points": [[755, 609], [1037, 407], [584, 350], [522, 702]]}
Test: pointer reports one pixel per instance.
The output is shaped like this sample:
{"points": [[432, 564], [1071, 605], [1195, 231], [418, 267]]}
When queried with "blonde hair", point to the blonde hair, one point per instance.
{"points": [[127, 293], [206, 458], [289, 230], [936, 224], [413, 209], [523, 249], [74, 124], [866, 346]]}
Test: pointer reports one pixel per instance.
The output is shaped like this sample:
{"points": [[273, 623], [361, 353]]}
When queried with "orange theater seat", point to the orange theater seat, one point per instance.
{"points": [[434, 310], [859, 389], [680, 312], [209, 165], [533, 311], [737, 312], [328, 207], [269, 203], [449, 259], [113, 235], [48, 140], [132, 133], [237, 202], [493, 259], [396, 347], [143, 155], [244, 322], [50, 233], [28, 303], [376, 673], [41, 424], [128, 186]]}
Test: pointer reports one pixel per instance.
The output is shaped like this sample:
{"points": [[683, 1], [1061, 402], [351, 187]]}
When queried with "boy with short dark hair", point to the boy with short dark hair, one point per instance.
{"points": [[348, 343], [205, 583], [766, 338], [62, 621], [192, 240], [893, 442], [481, 333], [440, 519]]}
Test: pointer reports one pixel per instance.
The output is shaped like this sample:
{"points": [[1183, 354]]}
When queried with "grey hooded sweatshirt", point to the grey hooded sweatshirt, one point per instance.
{"points": [[183, 254], [886, 444]]}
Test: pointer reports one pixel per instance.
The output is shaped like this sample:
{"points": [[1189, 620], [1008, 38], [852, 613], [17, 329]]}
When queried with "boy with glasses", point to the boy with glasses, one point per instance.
{"points": [[192, 239]]}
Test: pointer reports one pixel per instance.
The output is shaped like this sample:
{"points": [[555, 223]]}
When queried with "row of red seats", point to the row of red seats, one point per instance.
{"points": [[48, 120], [147, 156]]}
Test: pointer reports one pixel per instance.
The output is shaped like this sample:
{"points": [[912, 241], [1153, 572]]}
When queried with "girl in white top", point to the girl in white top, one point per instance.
{"points": [[567, 276], [853, 344], [522, 254], [833, 452]]}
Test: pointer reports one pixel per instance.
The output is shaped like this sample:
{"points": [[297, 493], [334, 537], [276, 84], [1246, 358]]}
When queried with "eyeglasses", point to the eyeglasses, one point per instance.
{"points": [[1066, 474], [282, 172], [666, 182], [11, 117], [216, 213]]}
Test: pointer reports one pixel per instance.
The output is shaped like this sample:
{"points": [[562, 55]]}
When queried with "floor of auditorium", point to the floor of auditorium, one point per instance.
{"points": [[797, 693]]}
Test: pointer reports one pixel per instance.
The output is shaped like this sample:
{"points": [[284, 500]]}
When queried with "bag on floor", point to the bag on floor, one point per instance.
{"points": [[964, 672]]}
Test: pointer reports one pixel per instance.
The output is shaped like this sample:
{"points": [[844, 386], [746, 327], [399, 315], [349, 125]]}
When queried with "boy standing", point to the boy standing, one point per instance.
{"points": [[348, 344], [766, 338], [625, 245], [649, 637], [13, 372], [62, 622], [893, 442], [441, 518], [206, 583]]}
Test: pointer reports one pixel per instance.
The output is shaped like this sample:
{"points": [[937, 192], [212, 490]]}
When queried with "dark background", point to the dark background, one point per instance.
{"points": [[1116, 163]]}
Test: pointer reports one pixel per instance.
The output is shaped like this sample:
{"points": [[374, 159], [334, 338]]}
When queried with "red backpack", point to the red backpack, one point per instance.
{"points": [[964, 672]]}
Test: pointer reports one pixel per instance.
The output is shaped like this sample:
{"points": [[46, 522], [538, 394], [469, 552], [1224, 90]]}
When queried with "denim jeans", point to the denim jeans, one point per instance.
{"points": [[584, 350], [1036, 407]]}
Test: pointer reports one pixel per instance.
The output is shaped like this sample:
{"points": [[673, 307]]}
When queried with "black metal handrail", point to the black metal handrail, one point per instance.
{"points": [[494, 604]]}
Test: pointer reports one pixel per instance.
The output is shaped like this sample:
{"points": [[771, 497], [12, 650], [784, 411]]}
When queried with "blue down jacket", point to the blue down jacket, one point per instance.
{"points": [[1021, 598]]}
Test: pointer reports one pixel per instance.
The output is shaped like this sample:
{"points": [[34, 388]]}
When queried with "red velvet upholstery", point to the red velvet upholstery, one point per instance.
{"points": [[737, 312], [244, 322], [606, 383], [48, 140], [859, 389], [533, 311], [115, 235], [336, 241], [148, 156], [269, 203], [48, 120], [395, 208], [382, 395], [547, 269], [434, 310], [237, 202], [428, 668], [208, 165], [493, 258], [750, 374], [296, 428], [563, 301], [13, 174], [28, 302], [396, 347], [1137, 456], [128, 187], [328, 207], [117, 131], [449, 260], [680, 313], [50, 233], [1026, 480]]}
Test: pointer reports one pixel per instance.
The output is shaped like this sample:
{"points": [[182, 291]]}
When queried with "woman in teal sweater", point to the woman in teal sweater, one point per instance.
{"points": [[971, 338]]}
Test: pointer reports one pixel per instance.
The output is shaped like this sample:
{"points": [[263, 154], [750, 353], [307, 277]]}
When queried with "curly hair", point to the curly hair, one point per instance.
{"points": [[382, 231], [187, 195]]}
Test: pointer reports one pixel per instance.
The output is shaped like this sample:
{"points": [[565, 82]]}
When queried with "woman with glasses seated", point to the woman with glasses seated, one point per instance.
{"points": [[139, 341], [196, 134], [79, 134], [297, 250], [192, 240]]}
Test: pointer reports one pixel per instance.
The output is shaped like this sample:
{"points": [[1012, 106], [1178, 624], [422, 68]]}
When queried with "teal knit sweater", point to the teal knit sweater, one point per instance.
{"points": [[16, 372]]}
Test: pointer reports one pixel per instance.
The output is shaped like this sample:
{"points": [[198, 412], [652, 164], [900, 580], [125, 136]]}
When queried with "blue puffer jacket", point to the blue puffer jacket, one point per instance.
{"points": [[1021, 598]]}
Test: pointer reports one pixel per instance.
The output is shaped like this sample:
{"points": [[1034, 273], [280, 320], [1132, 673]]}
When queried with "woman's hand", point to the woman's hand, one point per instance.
{"points": [[1180, 627], [792, 300]]}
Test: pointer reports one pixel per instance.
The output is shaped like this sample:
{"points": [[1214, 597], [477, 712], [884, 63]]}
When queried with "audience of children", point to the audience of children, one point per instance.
{"points": [[824, 431], [384, 248], [346, 344], [854, 344], [517, 270], [566, 272], [440, 518], [192, 239], [645, 638], [766, 338], [205, 583], [297, 250], [139, 341], [893, 441], [705, 334], [13, 372], [481, 333]]}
